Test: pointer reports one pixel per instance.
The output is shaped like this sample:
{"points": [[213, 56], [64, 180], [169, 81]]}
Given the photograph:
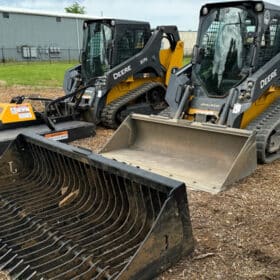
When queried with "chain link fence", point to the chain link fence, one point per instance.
{"points": [[33, 54], [27, 53]]}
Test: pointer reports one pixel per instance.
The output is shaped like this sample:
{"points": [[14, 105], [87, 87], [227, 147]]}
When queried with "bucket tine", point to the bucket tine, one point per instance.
{"points": [[72, 214]]}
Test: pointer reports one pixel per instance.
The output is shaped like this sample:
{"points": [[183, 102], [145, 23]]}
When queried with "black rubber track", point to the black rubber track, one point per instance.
{"points": [[109, 113], [265, 125]]}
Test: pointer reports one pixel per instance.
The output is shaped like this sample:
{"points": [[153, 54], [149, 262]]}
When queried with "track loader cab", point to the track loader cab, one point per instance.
{"points": [[232, 62], [108, 43], [224, 107], [124, 69], [226, 48]]}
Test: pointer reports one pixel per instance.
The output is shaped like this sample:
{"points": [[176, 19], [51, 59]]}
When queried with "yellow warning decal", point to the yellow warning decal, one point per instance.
{"points": [[13, 113]]}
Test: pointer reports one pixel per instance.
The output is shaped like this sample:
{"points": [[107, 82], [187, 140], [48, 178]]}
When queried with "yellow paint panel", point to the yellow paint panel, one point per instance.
{"points": [[172, 59], [193, 111], [13, 113], [260, 105], [128, 85]]}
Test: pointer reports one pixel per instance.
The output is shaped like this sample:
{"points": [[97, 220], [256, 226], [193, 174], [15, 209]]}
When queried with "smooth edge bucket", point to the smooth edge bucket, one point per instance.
{"points": [[206, 157]]}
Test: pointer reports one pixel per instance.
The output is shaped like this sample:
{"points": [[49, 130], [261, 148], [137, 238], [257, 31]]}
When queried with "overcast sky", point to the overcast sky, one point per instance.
{"points": [[183, 13]]}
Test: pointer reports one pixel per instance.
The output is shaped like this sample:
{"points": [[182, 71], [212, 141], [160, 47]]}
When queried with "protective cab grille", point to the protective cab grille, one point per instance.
{"points": [[66, 214]]}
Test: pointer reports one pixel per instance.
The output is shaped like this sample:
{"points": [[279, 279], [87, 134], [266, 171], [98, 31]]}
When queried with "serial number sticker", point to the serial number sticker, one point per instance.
{"points": [[19, 109], [57, 136], [24, 115], [236, 108]]}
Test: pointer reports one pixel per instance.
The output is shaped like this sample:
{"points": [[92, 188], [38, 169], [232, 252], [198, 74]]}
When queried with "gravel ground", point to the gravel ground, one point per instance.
{"points": [[237, 232]]}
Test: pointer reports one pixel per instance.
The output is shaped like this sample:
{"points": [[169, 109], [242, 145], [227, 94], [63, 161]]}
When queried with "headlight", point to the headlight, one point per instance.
{"points": [[205, 11], [259, 7], [250, 84], [89, 93]]}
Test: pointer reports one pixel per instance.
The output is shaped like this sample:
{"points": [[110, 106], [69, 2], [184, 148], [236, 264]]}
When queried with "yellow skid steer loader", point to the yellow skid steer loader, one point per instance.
{"points": [[125, 67], [224, 107]]}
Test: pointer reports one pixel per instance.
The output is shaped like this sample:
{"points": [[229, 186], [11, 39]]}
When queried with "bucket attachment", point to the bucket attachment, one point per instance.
{"points": [[205, 157], [66, 213]]}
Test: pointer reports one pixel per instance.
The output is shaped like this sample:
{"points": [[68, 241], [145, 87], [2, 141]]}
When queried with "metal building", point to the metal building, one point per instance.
{"points": [[189, 39], [35, 35], [26, 34]]}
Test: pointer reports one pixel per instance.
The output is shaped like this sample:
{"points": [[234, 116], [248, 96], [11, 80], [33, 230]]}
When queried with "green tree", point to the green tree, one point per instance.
{"points": [[75, 8]]}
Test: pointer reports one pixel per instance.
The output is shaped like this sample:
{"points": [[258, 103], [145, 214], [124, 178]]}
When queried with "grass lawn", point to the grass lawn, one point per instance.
{"points": [[186, 60], [33, 74], [40, 74]]}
